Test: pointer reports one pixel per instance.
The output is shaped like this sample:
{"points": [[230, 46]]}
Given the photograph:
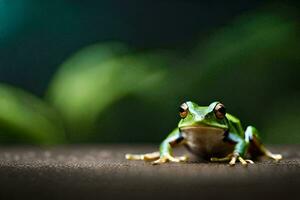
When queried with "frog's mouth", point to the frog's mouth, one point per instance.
{"points": [[202, 129]]}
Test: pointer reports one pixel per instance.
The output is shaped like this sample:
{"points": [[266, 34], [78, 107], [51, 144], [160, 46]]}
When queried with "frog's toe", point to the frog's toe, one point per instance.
{"points": [[160, 161], [178, 159], [249, 161], [151, 156], [232, 161], [170, 158], [276, 157], [269, 154], [173, 159], [232, 158], [183, 158], [146, 157], [236, 157], [132, 157], [242, 161]]}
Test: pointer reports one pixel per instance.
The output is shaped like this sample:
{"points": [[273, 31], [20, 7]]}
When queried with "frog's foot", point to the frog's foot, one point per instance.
{"points": [[275, 157], [146, 157], [232, 158], [170, 158]]}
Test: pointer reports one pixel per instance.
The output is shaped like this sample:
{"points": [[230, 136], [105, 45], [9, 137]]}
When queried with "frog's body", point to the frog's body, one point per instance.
{"points": [[206, 141], [211, 133]]}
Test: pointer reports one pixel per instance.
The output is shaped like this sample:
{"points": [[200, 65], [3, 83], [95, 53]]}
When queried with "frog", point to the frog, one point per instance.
{"points": [[212, 134]]}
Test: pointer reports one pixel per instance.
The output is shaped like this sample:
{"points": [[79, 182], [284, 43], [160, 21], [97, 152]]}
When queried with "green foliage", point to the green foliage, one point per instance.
{"points": [[25, 118], [251, 66], [282, 122], [110, 93], [94, 79]]}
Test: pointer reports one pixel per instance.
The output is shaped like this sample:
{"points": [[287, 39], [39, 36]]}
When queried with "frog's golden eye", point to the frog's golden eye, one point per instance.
{"points": [[220, 111], [183, 110]]}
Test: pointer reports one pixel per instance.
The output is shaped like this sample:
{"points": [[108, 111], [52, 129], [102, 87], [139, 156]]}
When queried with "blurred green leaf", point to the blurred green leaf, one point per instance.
{"points": [[243, 55], [94, 79], [244, 64], [256, 38], [248, 65], [282, 123], [26, 119]]}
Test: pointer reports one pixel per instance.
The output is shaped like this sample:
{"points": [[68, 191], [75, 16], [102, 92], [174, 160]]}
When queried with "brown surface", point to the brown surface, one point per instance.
{"points": [[94, 172]]}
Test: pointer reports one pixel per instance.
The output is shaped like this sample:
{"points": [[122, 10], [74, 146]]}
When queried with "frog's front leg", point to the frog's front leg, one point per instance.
{"points": [[165, 153], [240, 149]]}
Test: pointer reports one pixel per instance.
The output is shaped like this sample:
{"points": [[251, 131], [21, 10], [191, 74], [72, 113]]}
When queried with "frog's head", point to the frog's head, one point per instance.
{"points": [[193, 115]]}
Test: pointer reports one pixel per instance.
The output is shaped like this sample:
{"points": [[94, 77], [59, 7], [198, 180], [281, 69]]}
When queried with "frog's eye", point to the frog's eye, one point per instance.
{"points": [[220, 111], [183, 110]]}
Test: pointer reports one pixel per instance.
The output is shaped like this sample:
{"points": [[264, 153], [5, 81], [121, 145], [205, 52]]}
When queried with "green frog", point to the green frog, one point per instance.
{"points": [[211, 133]]}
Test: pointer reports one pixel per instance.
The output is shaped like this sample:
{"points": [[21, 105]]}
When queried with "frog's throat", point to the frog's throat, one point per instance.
{"points": [[206, 140]]}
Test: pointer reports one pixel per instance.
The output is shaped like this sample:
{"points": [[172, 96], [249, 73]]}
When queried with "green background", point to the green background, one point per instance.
{"points": [[117, 71]]}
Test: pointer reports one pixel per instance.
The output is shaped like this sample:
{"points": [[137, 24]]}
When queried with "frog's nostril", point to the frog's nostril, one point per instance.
{"points": [[199, 117]]}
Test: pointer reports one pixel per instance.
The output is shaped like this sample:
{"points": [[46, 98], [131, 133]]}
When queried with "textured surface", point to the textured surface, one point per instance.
{"points": [[95, 172]]}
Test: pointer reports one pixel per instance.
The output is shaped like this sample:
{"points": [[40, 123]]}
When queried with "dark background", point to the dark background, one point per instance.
{"points": [[243, 53]]}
